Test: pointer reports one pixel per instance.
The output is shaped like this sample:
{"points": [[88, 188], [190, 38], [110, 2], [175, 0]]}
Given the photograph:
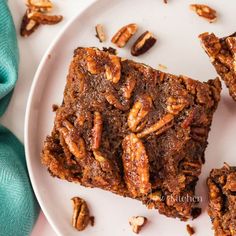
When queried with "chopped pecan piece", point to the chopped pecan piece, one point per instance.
{"points": [[28, 26], [112, 99], [204, 11], [139, 110], [190, 230], [156, 196], [80, 218], [76, 147], [39, 5], [100, 33], [136, 166], [143, 43], [45, 19], [231, 182], [175, 105], [103, 161], [110, 50], [157, 126], [121, 38], [113, 69], [97, 130], [137, 223]]}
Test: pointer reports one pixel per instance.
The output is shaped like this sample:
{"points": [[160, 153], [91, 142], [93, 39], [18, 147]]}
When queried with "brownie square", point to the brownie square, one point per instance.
{"points": [[132, 130]]}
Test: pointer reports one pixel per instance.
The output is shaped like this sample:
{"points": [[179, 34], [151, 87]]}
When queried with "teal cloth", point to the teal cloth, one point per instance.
{"points": [[18, 206]]}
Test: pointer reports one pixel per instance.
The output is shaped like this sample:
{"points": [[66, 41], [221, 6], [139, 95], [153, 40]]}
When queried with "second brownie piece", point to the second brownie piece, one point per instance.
{"points": [[222, 52], [222, 200], [133, 130]]}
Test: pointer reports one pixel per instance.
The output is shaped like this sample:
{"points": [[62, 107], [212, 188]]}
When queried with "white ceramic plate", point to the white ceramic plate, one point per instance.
{"points": [[176, 28]]}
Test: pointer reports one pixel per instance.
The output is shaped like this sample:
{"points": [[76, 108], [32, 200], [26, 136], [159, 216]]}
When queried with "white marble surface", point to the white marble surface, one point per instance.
{"points": [[31, 52]]}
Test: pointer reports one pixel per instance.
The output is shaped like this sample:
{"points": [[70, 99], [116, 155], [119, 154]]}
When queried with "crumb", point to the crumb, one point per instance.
{"points": [[162, 67], [54, 107], [190, 230], [137, 223], [92, 220], [111, 50]]}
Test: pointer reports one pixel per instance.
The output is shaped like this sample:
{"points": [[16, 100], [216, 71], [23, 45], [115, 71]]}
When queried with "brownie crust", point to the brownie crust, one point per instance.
{"points": [[132, 130]]}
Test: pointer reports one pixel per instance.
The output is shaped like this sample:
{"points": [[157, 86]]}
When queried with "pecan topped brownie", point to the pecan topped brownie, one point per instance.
{"points": [[222, 52], [222, 200], [132, 130]]}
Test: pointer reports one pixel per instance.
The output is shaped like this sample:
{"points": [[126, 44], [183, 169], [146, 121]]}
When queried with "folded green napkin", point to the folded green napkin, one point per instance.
{"points": [[18, 206]]}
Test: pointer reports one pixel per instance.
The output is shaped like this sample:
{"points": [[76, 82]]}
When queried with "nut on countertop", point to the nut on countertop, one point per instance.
{"points": [[143, 43]]}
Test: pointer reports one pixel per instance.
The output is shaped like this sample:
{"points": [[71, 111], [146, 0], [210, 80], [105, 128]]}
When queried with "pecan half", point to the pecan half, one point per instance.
{"points": [[143, 43], [100, 33], [121, 38], [113, 69], [92, 65], [204, 11], [97, 130], [128, 87], [80, 218], [137, 223], [76, 146], [28, 26], [136, 166], [44, 19], [165, 120], [139, 110]]}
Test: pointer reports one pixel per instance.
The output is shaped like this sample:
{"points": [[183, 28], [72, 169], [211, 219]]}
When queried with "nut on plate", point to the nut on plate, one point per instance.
{"points": [[121, 38], [100, 33], [137, 222], [80, 218], [204, 11], [143, 43]]}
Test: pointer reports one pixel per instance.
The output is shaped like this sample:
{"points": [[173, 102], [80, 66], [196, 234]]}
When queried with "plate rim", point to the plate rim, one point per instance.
{"points": [[30, 101]]}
